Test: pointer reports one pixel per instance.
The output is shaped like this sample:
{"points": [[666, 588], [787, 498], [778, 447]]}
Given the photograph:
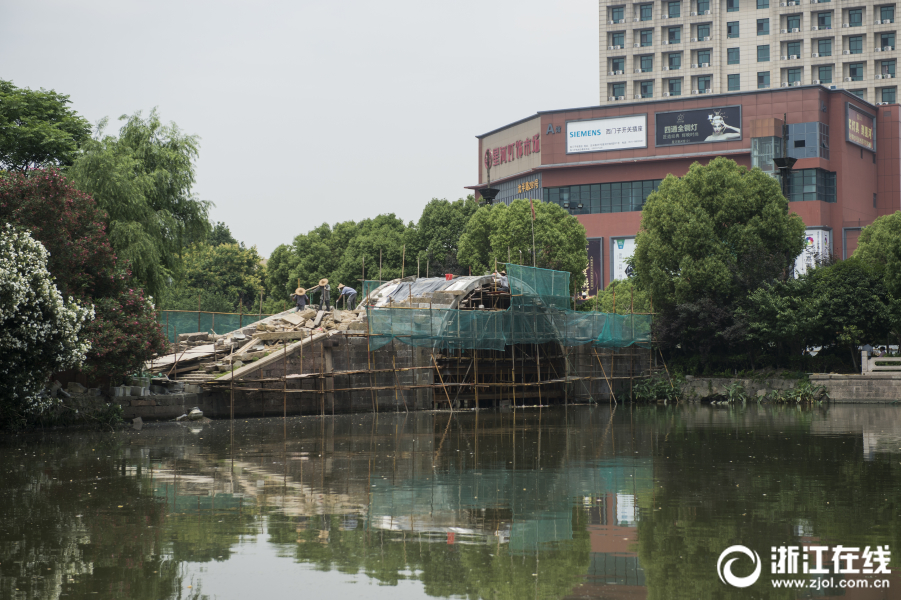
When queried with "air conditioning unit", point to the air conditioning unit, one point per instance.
{"points": [[814, 1], [694, 39], [846, 25], [619, 72], [783, 31], [848, 79], [793, 3], [617, 47], [611, 98], [620, 97], [814, 28], [609, 47], [665, 42], [611, 22], [611, 73], [783, 4], [706, 12], [637, 97], [666, 68], [706, 38], [793, 57], [816, 54], [694, 65], [636, 45], [887, 76], [666, 94], [664, 16], [695, 92], [796, 83], [877, 49], [878, 22], [694, 14], [796, 30], [846, 52], [881, 103], [784, 58], [878, 76], [886, 21], [637, 71], [705, 65], [621, 21], [816, 82], [886, 48], [636, 20], [784, 84]]}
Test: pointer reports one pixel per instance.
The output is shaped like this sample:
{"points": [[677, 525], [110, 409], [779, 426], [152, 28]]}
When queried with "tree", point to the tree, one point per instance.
{"points": [[224, 277], [143, 180], [221, 234], [880, 246], [708, 239], [39, 331], [38, 129], [622, 294], [499, 233], [438, 233]]}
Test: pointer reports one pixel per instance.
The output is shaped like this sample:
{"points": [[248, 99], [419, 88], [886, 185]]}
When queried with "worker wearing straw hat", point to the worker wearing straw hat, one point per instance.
{"points": [[324, 300], [350, 295], [300, 298]]}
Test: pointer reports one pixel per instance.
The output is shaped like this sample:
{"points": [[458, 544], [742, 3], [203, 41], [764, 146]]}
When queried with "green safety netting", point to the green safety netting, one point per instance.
{"points": [[539, 313], [368, 286], [187, 322]]}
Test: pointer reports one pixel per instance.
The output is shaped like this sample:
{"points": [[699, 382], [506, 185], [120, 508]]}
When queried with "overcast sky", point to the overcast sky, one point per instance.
{"points": [[312, 112]]}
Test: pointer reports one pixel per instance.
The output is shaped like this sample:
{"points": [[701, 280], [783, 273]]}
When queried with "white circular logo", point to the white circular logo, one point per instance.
{"points": [[725, 571]]}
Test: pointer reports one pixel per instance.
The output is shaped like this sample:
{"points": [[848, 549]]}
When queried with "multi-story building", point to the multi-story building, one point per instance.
{"points": [[661, 48]]}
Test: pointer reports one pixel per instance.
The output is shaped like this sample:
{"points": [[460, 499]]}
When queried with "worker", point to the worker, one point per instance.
{"points": [[350, 295], [300, 299], [324, 300], [502, 283]]}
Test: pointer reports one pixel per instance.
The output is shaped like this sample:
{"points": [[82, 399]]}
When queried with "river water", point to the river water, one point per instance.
{"points": [[590, 502]]}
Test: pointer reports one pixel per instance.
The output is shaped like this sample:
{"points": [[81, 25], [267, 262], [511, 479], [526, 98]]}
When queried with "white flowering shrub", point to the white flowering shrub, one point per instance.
{"points": [[38, 330]]}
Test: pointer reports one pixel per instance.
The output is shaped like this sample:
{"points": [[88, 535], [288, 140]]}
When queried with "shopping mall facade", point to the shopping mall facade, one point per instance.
{"points": [[601, 163]]}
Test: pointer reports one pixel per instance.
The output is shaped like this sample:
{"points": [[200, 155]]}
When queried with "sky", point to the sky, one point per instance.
{"points": [[312, 112]]}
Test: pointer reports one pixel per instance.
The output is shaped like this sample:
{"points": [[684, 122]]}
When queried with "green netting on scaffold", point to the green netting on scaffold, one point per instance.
{"points": [[538, 313], [186, 322], [368, 286]]}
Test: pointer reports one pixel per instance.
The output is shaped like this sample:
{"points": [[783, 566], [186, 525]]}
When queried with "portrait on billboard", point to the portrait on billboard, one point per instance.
{"points": [[675, 128], [721, 130]]}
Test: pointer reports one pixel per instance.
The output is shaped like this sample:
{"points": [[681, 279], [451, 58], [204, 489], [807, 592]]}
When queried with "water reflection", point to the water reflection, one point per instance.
{"points": [[584, 503]]}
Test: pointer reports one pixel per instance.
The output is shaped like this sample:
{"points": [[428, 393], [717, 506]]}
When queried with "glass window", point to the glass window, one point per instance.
{"points": [[763, 53], [619, 89], [732, 56], [619, 39], [855, 17], [859, 93], [647, 63], [824, 20], [703, 6], [703, 56], [855, 71], [855, 44], [793, 75], [734, 82], [887, 13], [732, 29], [704, 82], [647, 37], [675, 60], [646, 12], [674, 35], [888, 67], [763, 80], [888, 95], [763, 27], [617, 13], [793, 49], [674, 86], [793, 22], [825, 74], [594, 205], [618, 64], [674, 9], [763, 3], [763, 150], [887, 40], [704, 31], [731, 5], [824, 47], [811, 184]]}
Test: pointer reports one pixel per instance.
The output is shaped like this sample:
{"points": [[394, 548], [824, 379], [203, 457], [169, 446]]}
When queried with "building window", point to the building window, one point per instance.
{"points": [[793, 49], [793, 22], [732, 56], [824, 20], [855, 17], [703, 6], [674, 86], [734, 82], [703, 57], [887, 67], [675, 60], [647, 89], [704, 83], [731, 5], [888, 94], [674, 9], [763, 80], [855, 44], [647, 37], [763, 151], [793, 75], [703, 31], [626, 196], [887, 40], [824, 47], [617, 14], [674, 35], [647, 63], [763, 53], [887, 13], [646, 12], [811, 184], [855, 71], [619, 90], [862, 94], [618, 39], [825, 74], [763, 27], [808, 140], [763, 3], [732, 29], [618, 64]]}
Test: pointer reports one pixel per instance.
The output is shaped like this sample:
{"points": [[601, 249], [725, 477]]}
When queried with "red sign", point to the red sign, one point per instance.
{"points": [[508, 153], [860, 128]]}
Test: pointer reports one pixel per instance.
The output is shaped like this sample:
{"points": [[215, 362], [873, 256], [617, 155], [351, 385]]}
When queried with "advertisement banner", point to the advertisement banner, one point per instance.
{"points": [[602, 135], [698, 126], [860, 127], [818, 247], [593, 273], [622, 248]]}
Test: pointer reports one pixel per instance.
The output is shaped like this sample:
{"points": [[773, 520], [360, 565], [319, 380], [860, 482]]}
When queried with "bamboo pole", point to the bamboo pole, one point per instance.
{"points": [[397, 383], [198, 312], [403, 261], [285, 384], [604, 371], [440, 378]]}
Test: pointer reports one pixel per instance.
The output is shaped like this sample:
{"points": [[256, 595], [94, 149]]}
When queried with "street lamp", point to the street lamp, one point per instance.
{"points": [[489, 194]]}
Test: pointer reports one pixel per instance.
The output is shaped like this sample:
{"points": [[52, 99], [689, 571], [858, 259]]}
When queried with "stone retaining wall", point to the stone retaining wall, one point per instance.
{"points": [[882, 387]]}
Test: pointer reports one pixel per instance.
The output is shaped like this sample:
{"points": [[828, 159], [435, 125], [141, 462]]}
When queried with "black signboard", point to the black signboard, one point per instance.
{"points": [[722, 124], [593, 276]]}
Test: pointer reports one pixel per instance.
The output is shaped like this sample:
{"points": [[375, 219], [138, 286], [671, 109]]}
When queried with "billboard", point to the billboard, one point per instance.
{"points": [[818, 247], [594, 273], [621, 249], [860, 127], [603, 135], [679, 127]]}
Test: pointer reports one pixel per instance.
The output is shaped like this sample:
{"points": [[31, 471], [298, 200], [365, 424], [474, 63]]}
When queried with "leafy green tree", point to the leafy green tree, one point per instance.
{"points": [[880, 246], [438, 233], [277, 279], [143, 180], [224, 277], [708, 239], [623, 294], [221, 234], [38, 129], [499, 233]]}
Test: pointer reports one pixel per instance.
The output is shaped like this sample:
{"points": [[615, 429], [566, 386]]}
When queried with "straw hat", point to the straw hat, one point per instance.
{"points": [[340, 286], [323, 282], [300, 291]]}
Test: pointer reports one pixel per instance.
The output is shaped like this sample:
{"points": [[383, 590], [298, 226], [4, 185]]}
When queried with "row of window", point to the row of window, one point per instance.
{"points": [[673, 9], [671, 35], [673, 87], [673, 62], [626, 196], [824, 48], [811, 184], [853, 44]]}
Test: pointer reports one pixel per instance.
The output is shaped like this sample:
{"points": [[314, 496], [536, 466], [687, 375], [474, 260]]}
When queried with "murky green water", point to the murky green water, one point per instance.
{"points": [[585, 503]]}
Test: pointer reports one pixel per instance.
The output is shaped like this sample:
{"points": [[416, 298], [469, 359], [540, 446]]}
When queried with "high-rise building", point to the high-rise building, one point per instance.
{"points": [[667, 48]]}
